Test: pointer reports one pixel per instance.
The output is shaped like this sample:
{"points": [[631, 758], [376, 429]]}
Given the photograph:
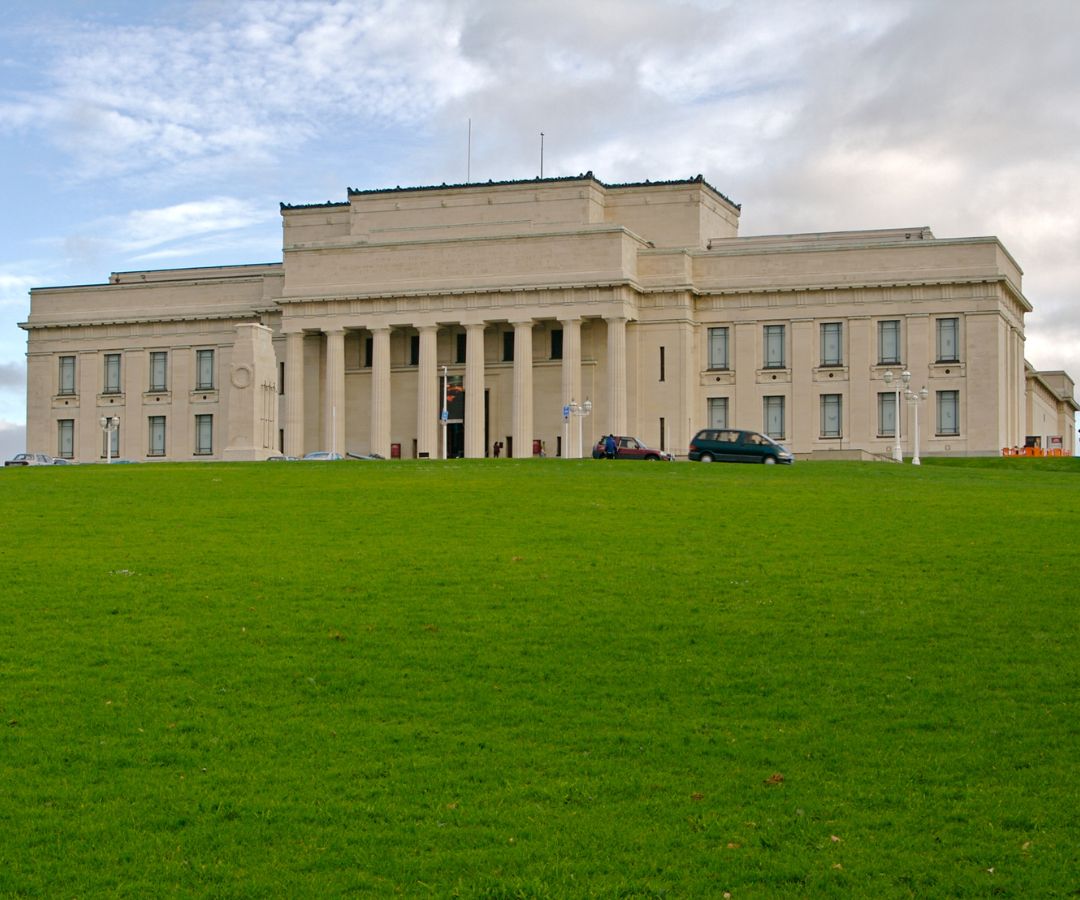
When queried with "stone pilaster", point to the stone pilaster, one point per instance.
{"points": [[474, 391], [523, 389], [294, 393], [427, 393], [616, 352], [571, 379], [380, 391], [334, 425]]}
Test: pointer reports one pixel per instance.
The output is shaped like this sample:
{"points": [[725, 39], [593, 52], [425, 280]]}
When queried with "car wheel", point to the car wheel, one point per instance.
{"points": [[652, 458], [706, 457], [769, 460]]}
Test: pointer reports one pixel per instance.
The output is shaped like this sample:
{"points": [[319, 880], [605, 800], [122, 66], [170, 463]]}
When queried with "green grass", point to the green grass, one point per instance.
{"points": [[541, 679]]}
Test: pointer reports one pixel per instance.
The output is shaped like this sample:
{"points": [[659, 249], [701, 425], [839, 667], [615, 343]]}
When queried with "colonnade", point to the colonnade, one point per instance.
{"points": [[428, 376]]}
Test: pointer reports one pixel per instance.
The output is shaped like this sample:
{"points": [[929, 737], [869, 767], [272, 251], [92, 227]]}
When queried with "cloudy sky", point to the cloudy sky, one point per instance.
{"points": [[141, 134]]}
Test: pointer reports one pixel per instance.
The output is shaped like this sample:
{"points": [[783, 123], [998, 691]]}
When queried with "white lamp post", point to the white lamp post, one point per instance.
{"points": [[905, 378], [444, 416], [579, 411], [109, 424], [914, 399]]}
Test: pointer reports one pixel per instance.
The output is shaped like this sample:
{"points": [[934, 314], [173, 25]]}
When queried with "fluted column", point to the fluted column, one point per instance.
{"points": [[616, 352], [523, 389], [427, 393], [571, 378], [380, 391], [294, 393], [474, 391], [335, 391]]}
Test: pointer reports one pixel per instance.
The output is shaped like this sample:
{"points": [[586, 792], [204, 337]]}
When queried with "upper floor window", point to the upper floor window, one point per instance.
{"points": [[556, 343], [67, 375], [414, 350], [204, 370], [948, 412], [832, 353], [112, 373], [718, 348], [889, 342], [663, 364], [158, 367], [508, 346], [831, 409], [460, 346], [774, 347], [948, 340], [369, 351]]}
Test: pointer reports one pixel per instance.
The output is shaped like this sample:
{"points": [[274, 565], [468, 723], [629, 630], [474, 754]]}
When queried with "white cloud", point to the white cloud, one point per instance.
{"points": [[12, 439]]}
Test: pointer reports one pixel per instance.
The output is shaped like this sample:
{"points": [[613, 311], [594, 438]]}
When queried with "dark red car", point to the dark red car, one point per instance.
{"points": [[630, 448]]}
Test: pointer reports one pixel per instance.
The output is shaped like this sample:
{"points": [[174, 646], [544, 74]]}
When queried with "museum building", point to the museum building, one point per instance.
{"points": [[539, 315]]}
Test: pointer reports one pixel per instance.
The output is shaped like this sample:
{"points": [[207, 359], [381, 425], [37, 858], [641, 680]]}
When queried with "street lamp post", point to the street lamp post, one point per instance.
{"points": [[444, 416], [914, 399], [109, 424], [579, 411], [905, 378]]}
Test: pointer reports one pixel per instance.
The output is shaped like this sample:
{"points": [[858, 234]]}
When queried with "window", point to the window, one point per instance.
{"points": [[414, 350], [112, 373], [948, 340], [948, 412], [110, 442], [889, 342], [662, 364], [461, 341], [204, 435], [831, 409], [67, 375], [156, 445], [774, 346], [774, 417], [65, 439], [204, 370], [158, 367], [831, 351], [718, 412], [556, 343], [369, 351], [718, 348], [886, 412], [281, 378], [508, 346]]}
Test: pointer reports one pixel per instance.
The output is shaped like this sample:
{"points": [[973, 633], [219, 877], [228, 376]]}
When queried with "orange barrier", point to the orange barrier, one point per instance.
{"points": [[1031, 452]]}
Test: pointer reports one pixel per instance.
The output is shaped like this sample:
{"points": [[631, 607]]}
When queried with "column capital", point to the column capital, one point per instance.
{"points": [[379, 329], [523, 323], [426, 329], [570, 320]]}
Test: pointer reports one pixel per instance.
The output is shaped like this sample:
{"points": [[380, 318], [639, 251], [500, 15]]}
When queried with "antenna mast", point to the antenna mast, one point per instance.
{"points": [[541, 154], [468, 156]]}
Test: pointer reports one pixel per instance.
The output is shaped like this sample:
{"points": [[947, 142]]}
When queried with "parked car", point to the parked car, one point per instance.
{"points": [[630, 448], [323, 455], [281, 458], [60, 461], [735, 445], [30, 459]]}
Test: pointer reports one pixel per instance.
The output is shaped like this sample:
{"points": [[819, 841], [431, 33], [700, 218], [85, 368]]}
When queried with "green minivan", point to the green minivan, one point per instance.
{"points": [[734, 445]]}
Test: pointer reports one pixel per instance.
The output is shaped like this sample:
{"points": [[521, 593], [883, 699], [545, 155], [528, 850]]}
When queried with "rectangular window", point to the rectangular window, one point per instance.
{"points": [[831, 409], [65, 439], [556, 343], [886, 411], [662, 364], [281, 378], [774, 417], [948, 412], [948, 340], [663, 433], [204, 435], [159, 360], [369, 351], [508, 346], [112, 373], [461, 342], [889, 342], [831, 352], [67, 375], [774, 346], [718, 348], [204, 370], [156, 445], [414, 350], [110, 443], [718, 412]]}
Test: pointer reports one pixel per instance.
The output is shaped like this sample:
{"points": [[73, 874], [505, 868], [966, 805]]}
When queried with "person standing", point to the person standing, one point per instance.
{"points": [[610, 447]]}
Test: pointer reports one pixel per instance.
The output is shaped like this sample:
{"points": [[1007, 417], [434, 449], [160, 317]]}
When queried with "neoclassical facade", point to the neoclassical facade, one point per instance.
{"points": [[445, 320]]}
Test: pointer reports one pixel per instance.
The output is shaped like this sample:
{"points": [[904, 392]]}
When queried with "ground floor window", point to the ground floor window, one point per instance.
{"points": [[204, 435], [718, 412], [774, 417], [831, 408], [886, 414], [948, 412], [156, 445], [65, 440], [110, 442]]}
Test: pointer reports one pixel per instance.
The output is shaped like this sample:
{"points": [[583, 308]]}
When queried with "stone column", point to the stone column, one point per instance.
{"points": [[294, 393], [427, 393], [380, 391], [571, 380], [474, 391], [334, 425], [523, 389], [616, 352]]}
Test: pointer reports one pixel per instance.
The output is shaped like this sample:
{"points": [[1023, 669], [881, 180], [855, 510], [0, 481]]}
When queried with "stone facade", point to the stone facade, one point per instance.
{"points": [[518, 299]]}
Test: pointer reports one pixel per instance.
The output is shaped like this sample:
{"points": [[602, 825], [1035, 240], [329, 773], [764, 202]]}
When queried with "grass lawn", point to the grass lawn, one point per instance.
{"points": [[541, 679]]}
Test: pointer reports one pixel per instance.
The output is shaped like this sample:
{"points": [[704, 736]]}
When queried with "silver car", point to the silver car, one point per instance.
{"points": [[30, 459]]}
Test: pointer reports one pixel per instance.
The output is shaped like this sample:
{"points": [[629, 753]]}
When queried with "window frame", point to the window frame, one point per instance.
{"points": [[887, 398], [204, 420], [67, 425], [941, 355], [112, 383], [152, 423], [67, 386], [884, 360], [774, 350], [718, 348], [780, 402], [826, 330], [954, 397], [158, 357], [556, 343], [826, 401], [204, 360], [713, 405]]}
